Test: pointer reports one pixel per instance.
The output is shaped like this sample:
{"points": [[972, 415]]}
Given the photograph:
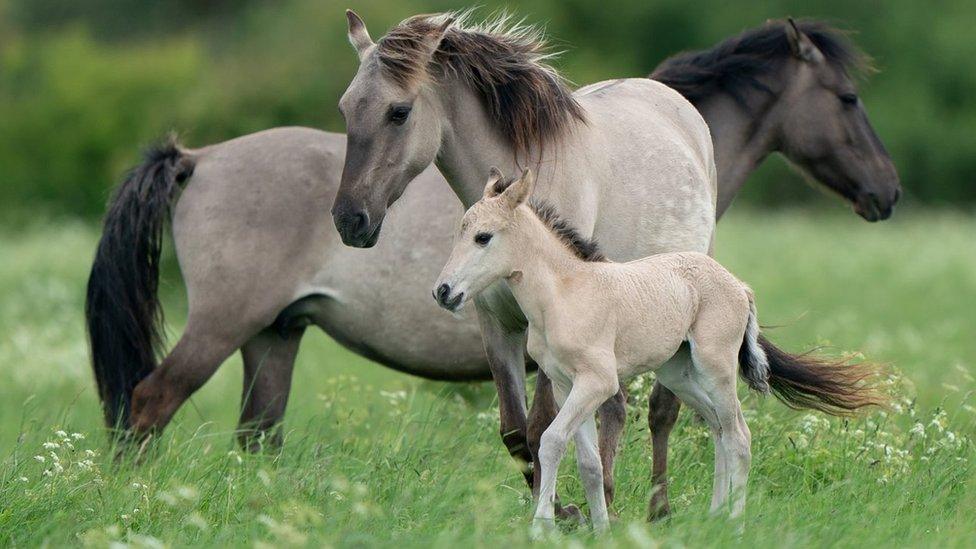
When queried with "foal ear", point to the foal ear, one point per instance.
{"points": [[358, 35], [519, 192], [494, 178], [801, 45]]}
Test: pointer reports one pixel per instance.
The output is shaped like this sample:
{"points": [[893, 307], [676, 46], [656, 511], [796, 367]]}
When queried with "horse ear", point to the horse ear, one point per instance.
{"points": [[519, 192], [433, 39], [801, 45], [358, 35], [491, 189]]}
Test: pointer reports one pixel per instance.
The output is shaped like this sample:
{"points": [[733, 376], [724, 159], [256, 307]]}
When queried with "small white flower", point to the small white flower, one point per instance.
{"points": [[918, 429], [40, 458], [77, 436], [51, 445], [61, 434], [23, 479]]}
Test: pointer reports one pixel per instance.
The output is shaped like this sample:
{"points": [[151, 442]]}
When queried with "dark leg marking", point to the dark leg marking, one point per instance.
{"points": [[661, 417]]}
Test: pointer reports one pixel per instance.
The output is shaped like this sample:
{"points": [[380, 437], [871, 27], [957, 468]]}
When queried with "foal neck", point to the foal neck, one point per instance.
{"points": [[543, 265]]}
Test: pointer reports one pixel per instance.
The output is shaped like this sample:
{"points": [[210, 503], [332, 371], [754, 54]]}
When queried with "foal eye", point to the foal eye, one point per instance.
{"points": [[848, 98], [482, 239], [399, 115]]}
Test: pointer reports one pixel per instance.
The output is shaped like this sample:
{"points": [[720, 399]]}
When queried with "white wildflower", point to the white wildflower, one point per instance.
{"points": [[51, 445], [40, 458]]}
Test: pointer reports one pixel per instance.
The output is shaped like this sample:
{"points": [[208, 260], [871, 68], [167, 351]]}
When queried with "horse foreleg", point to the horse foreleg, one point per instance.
{"points": [[269, 359], [506, 360], [661, 417], [613, 419]]}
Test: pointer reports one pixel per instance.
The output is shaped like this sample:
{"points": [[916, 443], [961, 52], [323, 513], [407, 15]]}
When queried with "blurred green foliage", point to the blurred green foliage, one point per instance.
{"points": [[84, 85]]}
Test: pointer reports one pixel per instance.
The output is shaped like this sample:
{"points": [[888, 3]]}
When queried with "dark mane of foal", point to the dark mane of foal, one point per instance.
{"points": [[739, 62], [586, 249], [527, 99]]}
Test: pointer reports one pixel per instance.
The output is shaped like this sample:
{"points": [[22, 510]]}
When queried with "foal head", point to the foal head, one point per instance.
{"points": [[485, 247]]}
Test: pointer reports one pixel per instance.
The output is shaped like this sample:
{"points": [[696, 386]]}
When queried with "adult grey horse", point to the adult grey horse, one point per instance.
{"points": [[629, 161], [268, 190]]}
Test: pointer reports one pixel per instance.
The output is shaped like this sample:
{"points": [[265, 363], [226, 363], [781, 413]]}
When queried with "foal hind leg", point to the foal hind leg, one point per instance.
{"points": [[715, 373], [269, 359], [708, 386]]}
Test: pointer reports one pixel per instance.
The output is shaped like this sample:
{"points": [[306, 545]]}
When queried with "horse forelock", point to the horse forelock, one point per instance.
{"points": [[504, 62]]}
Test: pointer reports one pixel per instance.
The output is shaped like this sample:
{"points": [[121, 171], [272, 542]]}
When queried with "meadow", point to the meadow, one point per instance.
{"points": [[372, 457]]}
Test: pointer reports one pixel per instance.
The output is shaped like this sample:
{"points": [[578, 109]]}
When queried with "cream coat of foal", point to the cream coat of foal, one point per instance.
{"points": [[593, 322]]}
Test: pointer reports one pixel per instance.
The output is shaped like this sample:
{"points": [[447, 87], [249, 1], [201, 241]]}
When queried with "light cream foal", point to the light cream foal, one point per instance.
{"points": [[593, 322]]}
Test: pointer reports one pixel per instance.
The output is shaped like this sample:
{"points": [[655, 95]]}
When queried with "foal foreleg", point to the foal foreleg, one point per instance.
{"points": [[587, 393], [269, 360]]}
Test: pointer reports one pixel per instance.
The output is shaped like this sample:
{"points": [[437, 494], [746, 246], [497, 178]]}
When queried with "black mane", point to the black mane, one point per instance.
{"points": [[584, 248], [740, 61]]}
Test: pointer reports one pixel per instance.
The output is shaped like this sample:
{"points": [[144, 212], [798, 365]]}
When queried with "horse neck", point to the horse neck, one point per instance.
{"points": [[542, 263], [470, 144], [743, 136]]}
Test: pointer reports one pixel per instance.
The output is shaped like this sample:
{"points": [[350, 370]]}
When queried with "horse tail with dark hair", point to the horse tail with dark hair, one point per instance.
{"points": [[805, 381], [122, 310]]}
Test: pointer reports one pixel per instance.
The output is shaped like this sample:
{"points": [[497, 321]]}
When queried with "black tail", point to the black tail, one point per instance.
{"points": [[122, 310], [806, 381]]}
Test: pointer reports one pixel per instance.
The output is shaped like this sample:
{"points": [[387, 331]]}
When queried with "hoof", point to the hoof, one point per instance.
{"points": [[659, 510], [570, 513], [541, 528]]}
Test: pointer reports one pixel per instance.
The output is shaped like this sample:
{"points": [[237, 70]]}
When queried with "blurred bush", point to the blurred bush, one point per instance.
{"points": [[84, 85]]}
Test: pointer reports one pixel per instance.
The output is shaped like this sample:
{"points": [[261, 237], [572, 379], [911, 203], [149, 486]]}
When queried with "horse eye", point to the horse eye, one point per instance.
{"points": [[399, 115], [848, 98], [482, 239]]}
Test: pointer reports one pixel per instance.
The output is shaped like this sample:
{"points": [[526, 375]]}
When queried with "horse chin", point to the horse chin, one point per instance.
{"points": [[869, 209], [373, 237]]}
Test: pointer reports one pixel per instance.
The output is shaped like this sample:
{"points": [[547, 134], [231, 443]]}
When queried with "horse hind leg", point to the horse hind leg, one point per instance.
{"points": [[202, 348], [269, 360]]}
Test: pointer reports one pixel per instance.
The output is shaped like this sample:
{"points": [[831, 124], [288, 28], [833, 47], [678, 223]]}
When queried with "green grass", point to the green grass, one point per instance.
{"points": [[373, 457]]}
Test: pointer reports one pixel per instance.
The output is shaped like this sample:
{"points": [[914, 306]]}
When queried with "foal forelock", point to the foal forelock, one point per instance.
{"points": [[738, 64], [586, 249], [502, 61]]}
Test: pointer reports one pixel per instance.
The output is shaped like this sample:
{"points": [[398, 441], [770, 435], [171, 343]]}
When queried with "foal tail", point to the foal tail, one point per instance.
{"points": [[122, 310], [804, 380]]}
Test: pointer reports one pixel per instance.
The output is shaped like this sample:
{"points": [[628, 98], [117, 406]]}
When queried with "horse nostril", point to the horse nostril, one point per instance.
{"points": [[359, 222], [443, 291]]}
